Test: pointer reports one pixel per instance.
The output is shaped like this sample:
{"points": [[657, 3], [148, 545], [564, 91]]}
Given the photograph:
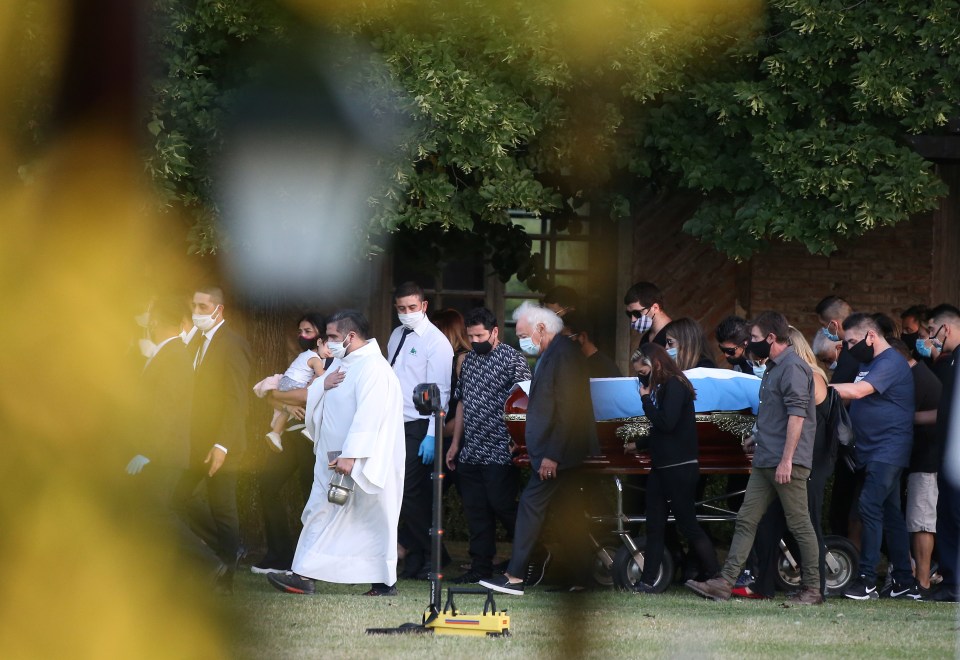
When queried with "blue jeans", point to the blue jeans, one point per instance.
{"points": [[880, 514]]}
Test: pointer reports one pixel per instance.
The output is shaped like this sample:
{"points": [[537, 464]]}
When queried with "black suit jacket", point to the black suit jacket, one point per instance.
{"points": [[560, 424], [220, 393], [163, 426]]}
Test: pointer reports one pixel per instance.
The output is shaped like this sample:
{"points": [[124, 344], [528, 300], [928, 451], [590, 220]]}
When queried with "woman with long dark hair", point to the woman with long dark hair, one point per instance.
{"points": [[667, 397]]}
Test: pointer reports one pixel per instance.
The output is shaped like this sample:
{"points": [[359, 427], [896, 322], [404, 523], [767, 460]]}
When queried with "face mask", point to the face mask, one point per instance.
{"points": [[410, 321], [828, 335], [187, 336], [759, 349], [337, 349], [307, 344], [861, 352], [528, 347], [147, 348], [642, 324], [644, 380], [672, 352], [922, 349], [833, 366], [759, 370], [481, 347], [909, 338], [204, 321]]}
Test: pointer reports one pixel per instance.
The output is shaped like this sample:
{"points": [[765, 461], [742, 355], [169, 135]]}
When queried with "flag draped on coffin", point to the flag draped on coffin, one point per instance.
{"points": [[717, 390]]}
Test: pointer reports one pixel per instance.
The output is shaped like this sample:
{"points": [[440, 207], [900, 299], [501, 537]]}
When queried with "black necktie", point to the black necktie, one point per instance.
{"points": [[403, 338]]}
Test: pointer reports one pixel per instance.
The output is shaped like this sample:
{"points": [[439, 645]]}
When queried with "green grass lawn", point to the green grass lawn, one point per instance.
{"points": [[599, 624]]}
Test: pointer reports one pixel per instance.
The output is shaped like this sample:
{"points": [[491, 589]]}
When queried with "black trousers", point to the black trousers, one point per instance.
{"points": [[297, 458], [560, 499], [674, 489], [842, 498], [152, 498], [773, 527], [216, 522], [415, 511], [489, 493]]}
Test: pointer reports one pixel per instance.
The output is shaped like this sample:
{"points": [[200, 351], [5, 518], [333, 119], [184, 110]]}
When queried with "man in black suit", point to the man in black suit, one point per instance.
{"points": [[162, 434], [221, 363], [560, 434]]}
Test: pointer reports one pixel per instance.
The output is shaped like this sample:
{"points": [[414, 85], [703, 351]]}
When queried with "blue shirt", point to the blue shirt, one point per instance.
{"points": [[883, 421]]}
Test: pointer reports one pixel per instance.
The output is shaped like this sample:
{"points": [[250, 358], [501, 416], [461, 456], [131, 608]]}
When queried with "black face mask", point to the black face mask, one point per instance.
{"points": [[481, 347], [910, 338], [307, 344], [861, 352], [760, 349], [644, 380]]}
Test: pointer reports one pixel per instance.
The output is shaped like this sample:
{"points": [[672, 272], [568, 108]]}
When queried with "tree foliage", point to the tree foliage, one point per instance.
{"points": [[789, 119]]}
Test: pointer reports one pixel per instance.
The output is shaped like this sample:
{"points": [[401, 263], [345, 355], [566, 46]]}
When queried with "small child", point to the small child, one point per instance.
{"points": [[301, 372]]}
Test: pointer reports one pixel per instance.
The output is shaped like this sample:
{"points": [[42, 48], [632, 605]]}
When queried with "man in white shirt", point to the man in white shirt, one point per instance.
{"points": [[419, 353]]}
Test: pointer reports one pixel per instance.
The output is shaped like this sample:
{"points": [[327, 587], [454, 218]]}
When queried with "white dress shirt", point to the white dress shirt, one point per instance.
{"points": [[426, 357]]}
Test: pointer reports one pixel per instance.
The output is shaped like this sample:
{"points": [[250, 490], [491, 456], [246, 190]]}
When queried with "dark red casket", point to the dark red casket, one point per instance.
{"points": [[720, 435]]}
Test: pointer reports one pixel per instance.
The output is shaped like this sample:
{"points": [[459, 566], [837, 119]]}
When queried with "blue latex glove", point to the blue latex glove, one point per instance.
{"points": [[426, 450], [136, 464]]}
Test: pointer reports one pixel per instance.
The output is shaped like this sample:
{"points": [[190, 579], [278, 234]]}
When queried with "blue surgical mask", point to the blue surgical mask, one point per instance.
{"points": [[922, 349], [672, 352], [826, 332], [528, 347], [759, 370]]}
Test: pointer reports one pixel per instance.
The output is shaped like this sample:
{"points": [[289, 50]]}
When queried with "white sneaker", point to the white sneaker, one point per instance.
{"points": [[274, 441]]}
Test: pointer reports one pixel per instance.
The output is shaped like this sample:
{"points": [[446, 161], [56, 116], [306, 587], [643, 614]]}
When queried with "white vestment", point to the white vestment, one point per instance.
{"points": [[362, 418]]}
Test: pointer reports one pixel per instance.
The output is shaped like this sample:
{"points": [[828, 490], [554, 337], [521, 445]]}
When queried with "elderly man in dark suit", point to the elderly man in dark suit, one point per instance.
{"points": [[162, 436], [221, 364], [560, 434]]}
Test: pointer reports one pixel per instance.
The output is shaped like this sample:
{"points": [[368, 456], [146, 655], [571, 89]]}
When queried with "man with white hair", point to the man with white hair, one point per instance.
{"points": [[560, 433]]}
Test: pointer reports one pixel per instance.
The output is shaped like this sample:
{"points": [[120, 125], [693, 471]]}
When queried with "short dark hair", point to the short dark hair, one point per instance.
{"points": [[564, 296], [215, 292], [887, 327], [169, 310], [579, 323], [775, 323], [945, 312], [919, 312], [645, 293], [350, 320], [733, 329], [861, 320], [316, 319], [833, 307], [481, 316], [408, 289]]}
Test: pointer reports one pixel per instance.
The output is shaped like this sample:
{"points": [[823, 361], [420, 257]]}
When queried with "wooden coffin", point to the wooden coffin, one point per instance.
{"points": [[720, 435]]}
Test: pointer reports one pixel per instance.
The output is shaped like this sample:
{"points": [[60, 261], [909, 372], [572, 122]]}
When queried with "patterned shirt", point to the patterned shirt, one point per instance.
{"points": [[484, 385]]}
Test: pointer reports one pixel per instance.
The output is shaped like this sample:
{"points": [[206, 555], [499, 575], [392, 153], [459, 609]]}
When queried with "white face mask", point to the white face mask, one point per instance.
{"points": [[147, 348], [337, 349], [412, 320], [528, 347], [204, 321]]}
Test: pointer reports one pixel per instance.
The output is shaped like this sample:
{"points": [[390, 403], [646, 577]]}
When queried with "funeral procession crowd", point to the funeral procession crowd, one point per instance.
{"points": [[345, 425]]}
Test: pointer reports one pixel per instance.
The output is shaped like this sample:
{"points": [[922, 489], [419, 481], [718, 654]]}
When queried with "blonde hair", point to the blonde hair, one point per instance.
{"points": [[802, 348]]}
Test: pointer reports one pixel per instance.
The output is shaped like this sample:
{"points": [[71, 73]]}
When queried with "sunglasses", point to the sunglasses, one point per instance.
{"points": [[726, 350], [636, 313]]}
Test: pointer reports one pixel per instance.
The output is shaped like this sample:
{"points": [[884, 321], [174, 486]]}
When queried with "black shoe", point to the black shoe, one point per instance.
{"points": [[905, 591], [943, 595], [223, 580], [471, 577], [381, 590], [502, 584], [861, 589], [536, 570], [643, 588], [292, 583]]}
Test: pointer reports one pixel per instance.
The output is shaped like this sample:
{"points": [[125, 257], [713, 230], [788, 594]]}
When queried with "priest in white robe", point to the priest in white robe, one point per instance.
{"points": [[356, 416]]}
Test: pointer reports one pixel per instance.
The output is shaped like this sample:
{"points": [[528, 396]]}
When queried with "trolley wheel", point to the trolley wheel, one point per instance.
{"points": [[602, 572], [840, 551], [626, 571]]}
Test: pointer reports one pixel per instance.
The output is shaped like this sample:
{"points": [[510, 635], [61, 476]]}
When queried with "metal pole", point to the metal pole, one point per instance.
{"points": [[436, 532]]}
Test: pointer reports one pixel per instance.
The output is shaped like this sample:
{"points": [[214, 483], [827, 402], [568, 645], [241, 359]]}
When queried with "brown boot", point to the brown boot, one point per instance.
{"points": [[806, 596], [715, 588]]}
